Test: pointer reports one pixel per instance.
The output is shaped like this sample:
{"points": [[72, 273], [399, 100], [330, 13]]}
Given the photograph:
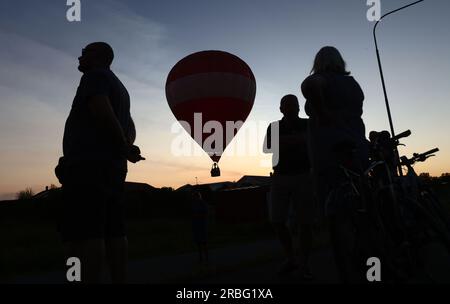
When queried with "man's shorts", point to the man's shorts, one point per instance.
{"points": [[92, 204], [292, 193]]}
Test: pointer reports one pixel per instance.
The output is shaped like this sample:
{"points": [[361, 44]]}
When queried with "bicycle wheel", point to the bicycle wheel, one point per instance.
{"points": [[433, 253], [342, 233], [392, 235], [352, 234], [437, 226], [431, 202]]}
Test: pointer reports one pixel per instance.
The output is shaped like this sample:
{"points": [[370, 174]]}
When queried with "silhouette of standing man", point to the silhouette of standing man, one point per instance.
{"points": [[291, 184], [98, 140]]}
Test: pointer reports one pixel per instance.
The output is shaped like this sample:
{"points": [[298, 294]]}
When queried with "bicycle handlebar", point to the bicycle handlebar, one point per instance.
{"points": [[425, 154], [401, 135], [418, 157]]}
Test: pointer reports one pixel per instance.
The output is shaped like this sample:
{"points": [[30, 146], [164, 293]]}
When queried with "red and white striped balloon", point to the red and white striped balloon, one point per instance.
{"points": [[217, 84]]}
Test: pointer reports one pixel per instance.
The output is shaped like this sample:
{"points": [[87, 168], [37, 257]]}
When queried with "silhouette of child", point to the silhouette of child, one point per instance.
{"points": [[199, 226]]}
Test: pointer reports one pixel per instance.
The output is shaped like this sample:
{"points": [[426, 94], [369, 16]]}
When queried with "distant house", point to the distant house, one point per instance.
{"points": [[186, 187], [207, 187], [138, 192], [137, 187], [237, 202], [42, 195], [244, 181], [253, 180], [239, 205], [129, 187]]}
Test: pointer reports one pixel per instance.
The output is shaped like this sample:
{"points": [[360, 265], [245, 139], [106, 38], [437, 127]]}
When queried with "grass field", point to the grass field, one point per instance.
{"points": [[33, 247]]}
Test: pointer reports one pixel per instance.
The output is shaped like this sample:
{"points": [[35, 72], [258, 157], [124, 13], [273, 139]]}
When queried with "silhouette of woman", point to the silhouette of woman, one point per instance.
{"points": [[334, 102]]}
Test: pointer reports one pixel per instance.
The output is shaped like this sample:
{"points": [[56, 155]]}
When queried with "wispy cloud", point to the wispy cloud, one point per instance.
{"points": [[39, 78]]}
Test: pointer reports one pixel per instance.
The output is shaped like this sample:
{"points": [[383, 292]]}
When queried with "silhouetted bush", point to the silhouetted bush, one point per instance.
{"points": [[25, 194]]}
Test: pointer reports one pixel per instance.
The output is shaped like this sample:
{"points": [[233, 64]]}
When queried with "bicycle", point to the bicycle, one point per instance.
{"points": [[386, 215]]}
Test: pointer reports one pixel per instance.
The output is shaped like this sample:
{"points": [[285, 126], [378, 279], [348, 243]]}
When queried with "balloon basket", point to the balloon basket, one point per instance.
{"points": [[215, 170]]}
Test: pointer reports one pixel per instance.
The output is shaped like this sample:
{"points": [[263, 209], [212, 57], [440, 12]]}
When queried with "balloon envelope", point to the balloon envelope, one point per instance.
{"points": [[217, 85]]}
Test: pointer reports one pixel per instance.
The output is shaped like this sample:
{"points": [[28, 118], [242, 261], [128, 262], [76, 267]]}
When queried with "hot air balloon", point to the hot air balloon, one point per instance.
{"points": [[214, 86]]}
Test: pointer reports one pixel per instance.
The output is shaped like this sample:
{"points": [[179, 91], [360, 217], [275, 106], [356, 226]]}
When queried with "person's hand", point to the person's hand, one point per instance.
{"points": [[134, 154]]}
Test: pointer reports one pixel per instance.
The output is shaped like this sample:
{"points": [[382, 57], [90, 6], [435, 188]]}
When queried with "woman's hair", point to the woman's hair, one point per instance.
{"points": [[328, 59]]}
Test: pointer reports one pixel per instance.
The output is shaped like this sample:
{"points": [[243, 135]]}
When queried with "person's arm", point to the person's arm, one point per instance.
{"points": [[267, 145], [313, 89], [131, 134], [106, 121], [109, 126], [134, 152]]}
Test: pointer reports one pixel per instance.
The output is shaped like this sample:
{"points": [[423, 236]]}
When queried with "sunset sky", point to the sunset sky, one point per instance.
{"points": [[277, 39]]}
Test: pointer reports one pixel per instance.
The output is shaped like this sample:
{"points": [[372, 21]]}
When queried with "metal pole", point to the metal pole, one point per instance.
{"points": [[391, 125]]}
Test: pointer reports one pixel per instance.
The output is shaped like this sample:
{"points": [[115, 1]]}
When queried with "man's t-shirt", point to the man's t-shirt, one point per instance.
{"points": [[291, 159], [82, 142]]}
